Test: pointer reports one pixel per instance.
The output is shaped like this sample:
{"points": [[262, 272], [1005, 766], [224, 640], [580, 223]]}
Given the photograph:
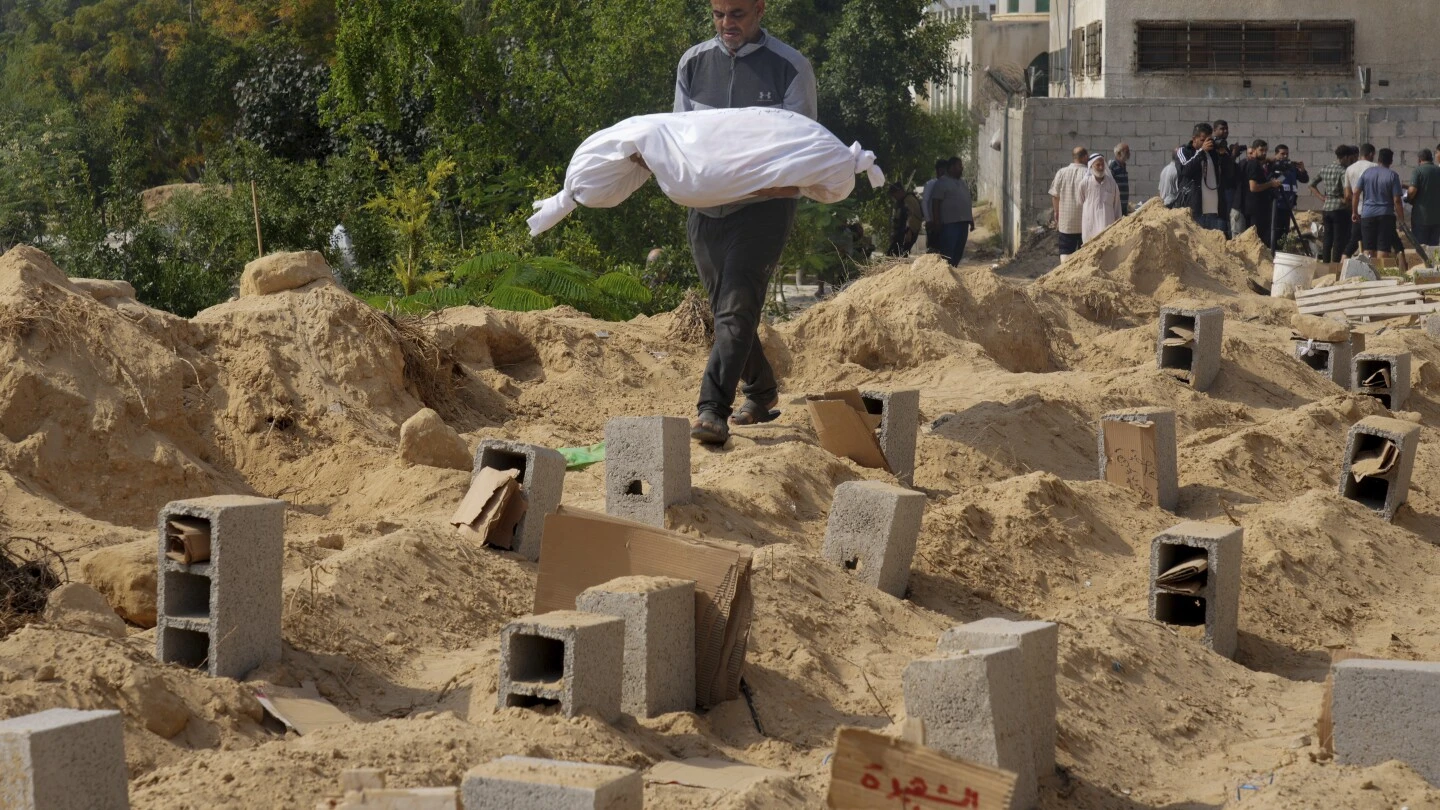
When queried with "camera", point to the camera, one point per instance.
{"points": [[1280, 168]]}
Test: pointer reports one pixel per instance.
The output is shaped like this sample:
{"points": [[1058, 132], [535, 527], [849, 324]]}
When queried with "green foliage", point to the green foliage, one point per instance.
{"points": [[406, 210], [511, 282]]}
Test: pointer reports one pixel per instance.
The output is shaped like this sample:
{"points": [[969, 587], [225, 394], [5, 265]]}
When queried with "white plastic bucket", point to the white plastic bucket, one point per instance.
{"points": [[1292, 272]]}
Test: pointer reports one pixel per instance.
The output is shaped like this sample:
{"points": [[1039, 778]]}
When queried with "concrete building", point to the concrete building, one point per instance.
{"points": [[1259, 49], [1012, 43]]}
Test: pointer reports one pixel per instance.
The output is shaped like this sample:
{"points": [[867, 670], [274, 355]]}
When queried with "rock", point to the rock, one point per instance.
{"points": [[278, 272], [146, 695], [46, 672], [103, 288], [426, 439], [1313, 327], [77, 606], [332, 541], [125, 576]]}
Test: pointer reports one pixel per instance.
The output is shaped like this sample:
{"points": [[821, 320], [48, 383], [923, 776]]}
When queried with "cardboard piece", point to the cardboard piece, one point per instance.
{"points": [[871, 770], [1180, 336], [704, 772], [1380, 379], [187, 540], [1130, 457], [491, 508], [580, 550], [846, 428], [1325, 725], [300, 710], [1187, 577], [1371, 463]]}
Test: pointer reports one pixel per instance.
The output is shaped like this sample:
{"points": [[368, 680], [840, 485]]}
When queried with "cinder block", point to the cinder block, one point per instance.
{"points": [[1039, 644], [1199, 362], [223, 615], [526, 783], [542, 477], [1334, 360], [1212, 599], [1167, 472], [659, 614], [973, 707], [1432, 322], [899, 413], [63, 759], [1398, 364], [1385, 492], [566, 658], [872, 531], [647, 467], [1385, 710], [442, 798]]}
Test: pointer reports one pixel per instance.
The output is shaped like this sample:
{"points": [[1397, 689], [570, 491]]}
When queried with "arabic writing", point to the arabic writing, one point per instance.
{"points": [[916, 790]]}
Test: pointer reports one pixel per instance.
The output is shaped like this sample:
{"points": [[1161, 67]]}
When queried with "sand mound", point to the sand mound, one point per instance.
{"points": [[1145, 261], [916, 314]]}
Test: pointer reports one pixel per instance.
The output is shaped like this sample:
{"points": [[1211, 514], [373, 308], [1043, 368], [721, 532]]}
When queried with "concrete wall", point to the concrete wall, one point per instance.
{"points": [[1044, 131], [1009, 41], [1385, 34], [991, 177]]}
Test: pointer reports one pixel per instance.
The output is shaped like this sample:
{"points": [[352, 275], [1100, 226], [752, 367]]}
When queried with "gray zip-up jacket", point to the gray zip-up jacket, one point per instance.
{"points": [[765, 73]]}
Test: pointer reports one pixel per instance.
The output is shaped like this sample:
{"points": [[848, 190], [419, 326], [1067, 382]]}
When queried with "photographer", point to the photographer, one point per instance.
{"points": [[1200, 179], [1261, 191], [1291, 173], [1225, 162]]}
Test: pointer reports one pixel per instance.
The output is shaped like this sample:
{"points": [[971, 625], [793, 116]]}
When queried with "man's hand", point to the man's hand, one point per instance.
{"points": [[972, 226], [779, 191], [639, 161], [1208, 145]]}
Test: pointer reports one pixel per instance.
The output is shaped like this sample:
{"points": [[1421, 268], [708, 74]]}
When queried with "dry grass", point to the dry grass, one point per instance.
{"points": [[693, 322]]}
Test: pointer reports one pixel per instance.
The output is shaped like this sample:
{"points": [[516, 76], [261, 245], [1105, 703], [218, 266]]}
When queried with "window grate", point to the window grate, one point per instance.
{"points": [[1093, 49], [1243, 47]]}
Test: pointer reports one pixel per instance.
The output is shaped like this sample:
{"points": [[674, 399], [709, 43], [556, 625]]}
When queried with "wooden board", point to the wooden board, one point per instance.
{"points": [[1397, 311], [1348, 295], [1363, 285], [1342, 305], [871, 770]]}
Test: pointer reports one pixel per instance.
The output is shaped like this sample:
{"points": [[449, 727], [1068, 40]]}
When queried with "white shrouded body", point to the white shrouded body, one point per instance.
{"points": [[708, 158]]}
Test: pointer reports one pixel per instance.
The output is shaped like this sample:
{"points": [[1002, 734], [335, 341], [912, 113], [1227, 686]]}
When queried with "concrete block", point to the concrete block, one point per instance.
{"points": [[1385, 710], [223, 615], [441, 798], [872, 531], [566, 658], [1333, 360], [1432, 326], [1398, 364], [526, 783], [542, 477], [1200, 361], [64, 759], [973, 707], [659, 614], [1167, 472], [1039, 644], [899, 413], [647, 467], [1216, 603], [1382, 493]]}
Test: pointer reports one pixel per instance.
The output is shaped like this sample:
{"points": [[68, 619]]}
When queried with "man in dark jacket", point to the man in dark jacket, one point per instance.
{"points": [[737, 246], [1200, 179]]}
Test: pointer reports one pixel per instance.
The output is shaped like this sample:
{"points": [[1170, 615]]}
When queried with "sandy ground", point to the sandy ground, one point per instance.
{"points": [[109, 410]]}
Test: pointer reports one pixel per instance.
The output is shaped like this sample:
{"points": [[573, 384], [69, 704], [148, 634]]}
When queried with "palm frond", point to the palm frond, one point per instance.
{"points": [[623, 286], [483, 270], [518, 299]]}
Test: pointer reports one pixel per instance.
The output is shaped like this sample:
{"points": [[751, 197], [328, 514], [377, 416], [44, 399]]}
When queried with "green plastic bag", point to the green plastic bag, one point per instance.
{"points": [[578, 458]]}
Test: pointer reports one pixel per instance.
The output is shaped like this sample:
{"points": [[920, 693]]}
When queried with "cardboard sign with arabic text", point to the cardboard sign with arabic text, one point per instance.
{"points": [[1130, 457], [871, 770]]}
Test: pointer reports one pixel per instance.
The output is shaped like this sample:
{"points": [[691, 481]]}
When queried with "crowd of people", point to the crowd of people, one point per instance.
{"points": [[1231, 187], [944, 209]]}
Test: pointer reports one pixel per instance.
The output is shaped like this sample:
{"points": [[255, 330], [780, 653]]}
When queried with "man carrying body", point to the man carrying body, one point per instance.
{"points": [[1120, 171], [1424, 199], [1329, 186], [950, 212], [1376, 202], [737, 246], [1065, 195]]}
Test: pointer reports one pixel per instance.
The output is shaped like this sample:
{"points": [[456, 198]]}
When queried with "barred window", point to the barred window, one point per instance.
{"points": [[1077, 52], [1092, 49], [1244, 47]]}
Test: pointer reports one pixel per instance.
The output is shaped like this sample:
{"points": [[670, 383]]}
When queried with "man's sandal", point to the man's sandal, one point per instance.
{"points": [[709, 428], [753, 413]]}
